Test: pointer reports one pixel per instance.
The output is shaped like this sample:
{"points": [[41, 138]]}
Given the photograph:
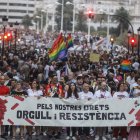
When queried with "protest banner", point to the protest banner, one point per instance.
{"points": [[32, 111], [94, 57]]}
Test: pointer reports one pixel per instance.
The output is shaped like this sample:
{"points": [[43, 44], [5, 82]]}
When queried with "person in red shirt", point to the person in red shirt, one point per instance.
{"points": [[54, 89], [4, 90]]}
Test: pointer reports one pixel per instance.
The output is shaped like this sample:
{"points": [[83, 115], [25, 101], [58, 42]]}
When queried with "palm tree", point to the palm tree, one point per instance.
{"points": [[100, 18], [122, 17]]}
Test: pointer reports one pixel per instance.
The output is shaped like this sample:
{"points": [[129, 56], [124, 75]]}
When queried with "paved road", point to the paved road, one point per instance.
{"points": [[46, 138], [63, 137]]}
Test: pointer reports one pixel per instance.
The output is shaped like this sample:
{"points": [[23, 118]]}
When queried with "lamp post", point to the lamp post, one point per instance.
{"points": [[16, 25], [90, 15], [138, 41], [4, 21], [62, 14], [112, 42], [89, 24], [128, 34], [42, 18], [73, 24], [53, 20], [10, 41], [133, 43], [38, 17]]}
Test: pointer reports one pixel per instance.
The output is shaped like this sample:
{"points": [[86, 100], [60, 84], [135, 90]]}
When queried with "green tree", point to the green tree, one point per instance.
{"points": [[27, 21], [121, 16], [100, 18], [81, 22], [68, 12]]}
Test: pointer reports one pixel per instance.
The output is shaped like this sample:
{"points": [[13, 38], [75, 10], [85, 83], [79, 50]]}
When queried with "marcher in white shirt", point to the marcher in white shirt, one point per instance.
{"points": [[136, 88], [85, 94], [46, 72], [131, 79], [121, 93], [34, 92], [136, 65], [102, 93]]}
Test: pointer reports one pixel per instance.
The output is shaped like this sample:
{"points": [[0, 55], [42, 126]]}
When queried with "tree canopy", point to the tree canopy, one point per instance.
{"points": [[67, 14], [27, 21], [81, 22], [122, 17]]}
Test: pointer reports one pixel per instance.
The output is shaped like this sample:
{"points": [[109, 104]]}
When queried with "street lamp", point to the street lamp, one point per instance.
{"points": [[62, 14], [4, 22], [90, 15], [138, 40], [16, 26], [112, 41], [133, 43], [42, 20], [128, 34], [73, 25], [10, 41], [38, 17]]}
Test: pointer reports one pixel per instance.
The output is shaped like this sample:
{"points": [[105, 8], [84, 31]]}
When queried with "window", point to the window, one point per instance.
{"points": [[18, 11], [3, 10], [17, 4], [30, 12], [30, 5], [15, 17], [3, 3]]}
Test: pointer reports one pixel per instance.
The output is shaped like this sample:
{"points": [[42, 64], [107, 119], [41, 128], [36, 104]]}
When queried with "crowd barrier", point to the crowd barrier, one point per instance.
{"points": [[33, 111]]}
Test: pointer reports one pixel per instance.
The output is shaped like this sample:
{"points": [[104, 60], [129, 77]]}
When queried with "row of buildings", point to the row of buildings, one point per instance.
{"points": [[15, 10]]}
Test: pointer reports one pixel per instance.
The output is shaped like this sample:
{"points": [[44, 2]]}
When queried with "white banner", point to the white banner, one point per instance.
{"points": [[61, 112]]}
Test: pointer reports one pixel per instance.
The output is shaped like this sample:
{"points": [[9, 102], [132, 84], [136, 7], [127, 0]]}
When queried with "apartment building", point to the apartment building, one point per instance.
{"points": [[15, 10]]}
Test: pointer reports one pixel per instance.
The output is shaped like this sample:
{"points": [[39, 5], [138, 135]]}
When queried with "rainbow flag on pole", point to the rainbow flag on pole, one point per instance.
{"points": [[69, 41], [58, 47], [126, 65]]}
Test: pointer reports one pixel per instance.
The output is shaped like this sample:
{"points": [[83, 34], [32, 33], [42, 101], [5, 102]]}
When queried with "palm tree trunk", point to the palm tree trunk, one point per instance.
{"points": [[121, 29]]}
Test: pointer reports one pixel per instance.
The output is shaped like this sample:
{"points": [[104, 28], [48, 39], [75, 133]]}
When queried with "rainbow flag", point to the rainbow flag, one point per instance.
{"points": [[53, 51], [63, 51], [126, 65], [69, 41], [58, 46]]}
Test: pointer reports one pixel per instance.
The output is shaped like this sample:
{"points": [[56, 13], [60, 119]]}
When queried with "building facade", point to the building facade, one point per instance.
{"points": [[110, 6], [15, 10]]}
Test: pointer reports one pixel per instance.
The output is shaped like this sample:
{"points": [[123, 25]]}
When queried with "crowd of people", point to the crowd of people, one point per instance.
{"points": [[28, 72]]}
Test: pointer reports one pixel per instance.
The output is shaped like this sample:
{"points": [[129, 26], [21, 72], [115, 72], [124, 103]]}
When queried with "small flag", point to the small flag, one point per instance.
{"points": [[69, 41]]}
